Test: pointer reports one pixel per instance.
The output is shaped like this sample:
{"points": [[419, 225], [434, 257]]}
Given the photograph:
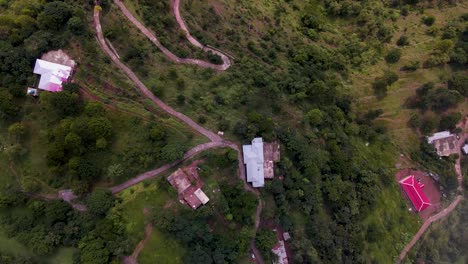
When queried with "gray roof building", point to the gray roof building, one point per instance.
{"points": [[253, 160]]}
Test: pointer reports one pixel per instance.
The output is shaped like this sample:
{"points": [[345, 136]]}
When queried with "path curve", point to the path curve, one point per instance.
{"points": [[216, 141], [448, 209], [153, 173], [207, 133], [201, 63]]}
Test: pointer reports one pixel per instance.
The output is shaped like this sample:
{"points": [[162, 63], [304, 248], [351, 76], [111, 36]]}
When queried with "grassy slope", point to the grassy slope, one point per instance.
{"points": [[253, 26], [395, 115]]}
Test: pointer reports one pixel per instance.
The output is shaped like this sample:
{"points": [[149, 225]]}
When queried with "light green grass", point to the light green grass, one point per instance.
{"points": [[11, 246], [390, 209], [161, 249], [62, 256]]}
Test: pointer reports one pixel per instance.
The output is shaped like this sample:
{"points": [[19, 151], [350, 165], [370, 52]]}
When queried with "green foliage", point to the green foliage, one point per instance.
{"points": [[459, 82], [428, 20], [265, 240], [7, 107], [449, 121], [54, 15], [99, 202], [393, 56], [381, 84], [403, 41]]}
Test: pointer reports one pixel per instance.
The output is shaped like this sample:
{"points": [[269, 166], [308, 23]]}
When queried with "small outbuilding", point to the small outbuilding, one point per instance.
{"points": [[465, 149]]}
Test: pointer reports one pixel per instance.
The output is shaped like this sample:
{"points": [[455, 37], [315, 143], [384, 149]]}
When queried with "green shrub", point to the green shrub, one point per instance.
{"points": [[393, 56], [403, 41], [428, 20]]}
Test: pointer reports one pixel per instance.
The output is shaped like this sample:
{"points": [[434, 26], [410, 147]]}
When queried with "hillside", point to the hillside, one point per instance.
{"points": [[348, 88]]}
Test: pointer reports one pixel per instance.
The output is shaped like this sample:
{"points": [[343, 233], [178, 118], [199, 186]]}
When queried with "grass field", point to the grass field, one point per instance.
{"points": [[396, 115], [161, 249]]}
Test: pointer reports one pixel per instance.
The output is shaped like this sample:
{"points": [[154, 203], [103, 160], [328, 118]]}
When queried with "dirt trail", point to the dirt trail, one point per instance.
{"points": [[216, 141], [452, 205], [226, 62]]}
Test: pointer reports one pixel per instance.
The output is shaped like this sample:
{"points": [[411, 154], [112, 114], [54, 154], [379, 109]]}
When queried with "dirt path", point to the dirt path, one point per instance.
{"points": [[132, 259], [216, 141], [226, 62], [452, 205]]}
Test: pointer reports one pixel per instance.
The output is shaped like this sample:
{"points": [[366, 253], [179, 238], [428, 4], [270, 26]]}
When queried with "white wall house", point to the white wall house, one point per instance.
{"points": [[253, 160], [52, 75]]}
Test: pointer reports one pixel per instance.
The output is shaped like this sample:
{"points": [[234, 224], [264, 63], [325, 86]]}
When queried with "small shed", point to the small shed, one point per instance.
{"points": [[465, 149]]}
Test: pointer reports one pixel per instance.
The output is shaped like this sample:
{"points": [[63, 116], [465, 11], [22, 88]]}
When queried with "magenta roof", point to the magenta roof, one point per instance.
{"points": [[415, 193]]}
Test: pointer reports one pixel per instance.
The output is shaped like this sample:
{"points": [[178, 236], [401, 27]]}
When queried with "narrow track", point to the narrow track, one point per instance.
{"points": [[201, 63], [216, 141]]}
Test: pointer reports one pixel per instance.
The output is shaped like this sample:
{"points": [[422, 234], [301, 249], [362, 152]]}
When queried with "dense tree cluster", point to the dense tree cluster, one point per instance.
{"points": [[45, 226]]}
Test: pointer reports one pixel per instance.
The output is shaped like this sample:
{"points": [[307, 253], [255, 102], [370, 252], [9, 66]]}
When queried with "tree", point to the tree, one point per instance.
{"points": [[428, 20], [94, 109], [76, 25], [114, 171], [99, 127], [173, 151], [403, 41], [449, 122], [393, 55], [7, 107], [101, 143], [54, 16], [62, 104], [17, 131], [88, 171], [441, 99], [265, 240], [73, 143], [459, 82], [93, 251], [314, 117], [99, 202]]}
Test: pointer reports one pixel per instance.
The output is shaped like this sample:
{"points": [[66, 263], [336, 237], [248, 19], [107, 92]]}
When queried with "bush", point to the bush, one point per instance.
{"points": [[380, 84], [411, 67], [393, 56], [403, 41], [459, 82], [449, 122], [428, 20]]}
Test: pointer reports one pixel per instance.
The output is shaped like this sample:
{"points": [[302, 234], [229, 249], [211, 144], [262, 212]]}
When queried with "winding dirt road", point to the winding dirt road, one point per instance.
{"points": [[452, 205], [216, 141], [201, 63]]}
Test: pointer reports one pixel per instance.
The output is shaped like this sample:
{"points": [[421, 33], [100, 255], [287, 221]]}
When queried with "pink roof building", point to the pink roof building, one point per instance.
{"points": [[415, 193], [52, 75]]}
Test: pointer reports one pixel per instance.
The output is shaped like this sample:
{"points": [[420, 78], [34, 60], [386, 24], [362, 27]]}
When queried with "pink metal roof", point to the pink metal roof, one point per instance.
{"points": [[415, 193]]}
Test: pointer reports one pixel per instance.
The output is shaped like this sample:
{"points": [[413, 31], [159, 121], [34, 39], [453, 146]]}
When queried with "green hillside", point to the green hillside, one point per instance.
{"points": [[348, 88]]}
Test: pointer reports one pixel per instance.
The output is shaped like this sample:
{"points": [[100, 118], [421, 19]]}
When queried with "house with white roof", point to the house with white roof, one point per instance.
{"points": [[52, 75], [258, 159], [253, 160]]}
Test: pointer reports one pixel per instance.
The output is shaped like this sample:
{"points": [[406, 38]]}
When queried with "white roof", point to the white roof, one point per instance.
{"points": [[52, 75], [253, 160], [201, 196], [280, 251], [465, 149], [438, 135]]}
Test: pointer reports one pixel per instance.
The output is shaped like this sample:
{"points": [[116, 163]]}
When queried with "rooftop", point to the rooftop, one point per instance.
{"points": [[52, 75], [253, 160], [415, 193], [188, 186]]}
